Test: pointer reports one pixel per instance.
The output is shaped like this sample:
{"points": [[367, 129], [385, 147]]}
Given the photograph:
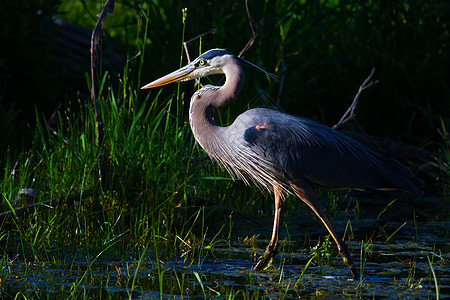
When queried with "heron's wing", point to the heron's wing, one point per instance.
{"points": [[313, 155]]}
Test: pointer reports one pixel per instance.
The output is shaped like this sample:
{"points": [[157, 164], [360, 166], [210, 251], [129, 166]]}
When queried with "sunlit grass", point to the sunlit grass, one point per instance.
{"points": [[146, 210], [141, 204]]}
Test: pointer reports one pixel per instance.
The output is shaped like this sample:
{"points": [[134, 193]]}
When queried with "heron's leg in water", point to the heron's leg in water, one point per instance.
{"points": [[309, 197], [271, 249]]}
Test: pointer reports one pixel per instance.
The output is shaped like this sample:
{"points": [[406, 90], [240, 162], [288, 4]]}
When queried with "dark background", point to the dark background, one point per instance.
{"points": [[325, 49]]}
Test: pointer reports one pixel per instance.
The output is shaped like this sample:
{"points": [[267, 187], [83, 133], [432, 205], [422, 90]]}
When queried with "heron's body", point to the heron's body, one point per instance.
{"points": [[289, 148], [280, 151]]}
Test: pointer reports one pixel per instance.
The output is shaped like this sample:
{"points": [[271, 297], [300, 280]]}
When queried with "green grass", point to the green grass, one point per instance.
{"points": [[142, 204], [142, 210]]}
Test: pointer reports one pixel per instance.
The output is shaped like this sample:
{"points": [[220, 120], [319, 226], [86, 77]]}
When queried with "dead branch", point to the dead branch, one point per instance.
{"points": [[255, 27], [350, 113], [186, 49], [186, 44], [96, 42]]}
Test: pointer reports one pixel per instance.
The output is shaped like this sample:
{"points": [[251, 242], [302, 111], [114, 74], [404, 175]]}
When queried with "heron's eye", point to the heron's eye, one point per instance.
{"points": [[201, 62]]}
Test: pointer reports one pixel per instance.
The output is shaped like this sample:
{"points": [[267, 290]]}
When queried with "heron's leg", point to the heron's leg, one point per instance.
{"points": [[309, 197], [272, 247]]}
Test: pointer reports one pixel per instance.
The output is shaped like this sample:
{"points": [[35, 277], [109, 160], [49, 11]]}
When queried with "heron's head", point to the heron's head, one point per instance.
{"points": [[209, 63]]}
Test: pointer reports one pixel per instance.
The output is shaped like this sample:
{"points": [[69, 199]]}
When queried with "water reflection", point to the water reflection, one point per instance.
{"points": [[394, 265]]}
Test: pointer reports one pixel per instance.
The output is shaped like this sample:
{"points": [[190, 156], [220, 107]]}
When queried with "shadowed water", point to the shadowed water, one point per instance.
{"points": [[394, 253]]}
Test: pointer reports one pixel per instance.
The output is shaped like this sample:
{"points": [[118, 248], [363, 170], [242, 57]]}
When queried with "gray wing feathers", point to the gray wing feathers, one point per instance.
{"points": [[311, 154]]}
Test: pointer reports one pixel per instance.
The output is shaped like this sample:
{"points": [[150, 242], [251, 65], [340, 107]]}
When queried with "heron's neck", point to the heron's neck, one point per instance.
{"points": [[204, 128], [234, 79], [206, 131]]}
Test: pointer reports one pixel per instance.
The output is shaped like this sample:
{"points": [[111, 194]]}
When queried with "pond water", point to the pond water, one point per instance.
{"points": [[402, 254]]}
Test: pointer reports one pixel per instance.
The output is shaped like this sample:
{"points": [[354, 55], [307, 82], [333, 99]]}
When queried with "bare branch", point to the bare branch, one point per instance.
{"points": [[96, 41], [350, 113], [255, 27], [186, 44], [186, 50], [252, 23]]}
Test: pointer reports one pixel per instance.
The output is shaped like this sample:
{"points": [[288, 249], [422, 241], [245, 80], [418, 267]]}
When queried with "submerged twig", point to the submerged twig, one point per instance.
{"points": [[350, 113]]}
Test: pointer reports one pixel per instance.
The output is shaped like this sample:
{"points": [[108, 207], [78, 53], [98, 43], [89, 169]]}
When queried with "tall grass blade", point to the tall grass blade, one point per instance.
{"points": [[197, 276], [436, 284]]}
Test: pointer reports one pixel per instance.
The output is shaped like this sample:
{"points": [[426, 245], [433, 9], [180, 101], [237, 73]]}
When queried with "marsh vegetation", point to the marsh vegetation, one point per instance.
{"points": [[162, 221]]}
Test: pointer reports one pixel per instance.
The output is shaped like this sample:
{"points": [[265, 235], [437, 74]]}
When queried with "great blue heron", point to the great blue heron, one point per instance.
{"points": [[279, 151]]}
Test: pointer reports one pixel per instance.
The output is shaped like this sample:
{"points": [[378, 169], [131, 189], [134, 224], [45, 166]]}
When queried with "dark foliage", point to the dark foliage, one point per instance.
{"points": [[28, 73], [324, 49]]}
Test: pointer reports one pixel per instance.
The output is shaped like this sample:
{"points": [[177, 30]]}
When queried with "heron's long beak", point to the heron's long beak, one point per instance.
{"points": [[184, 73]]}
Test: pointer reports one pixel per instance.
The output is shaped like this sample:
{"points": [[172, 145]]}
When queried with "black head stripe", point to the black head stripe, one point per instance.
{"points": [[213, 53]]}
